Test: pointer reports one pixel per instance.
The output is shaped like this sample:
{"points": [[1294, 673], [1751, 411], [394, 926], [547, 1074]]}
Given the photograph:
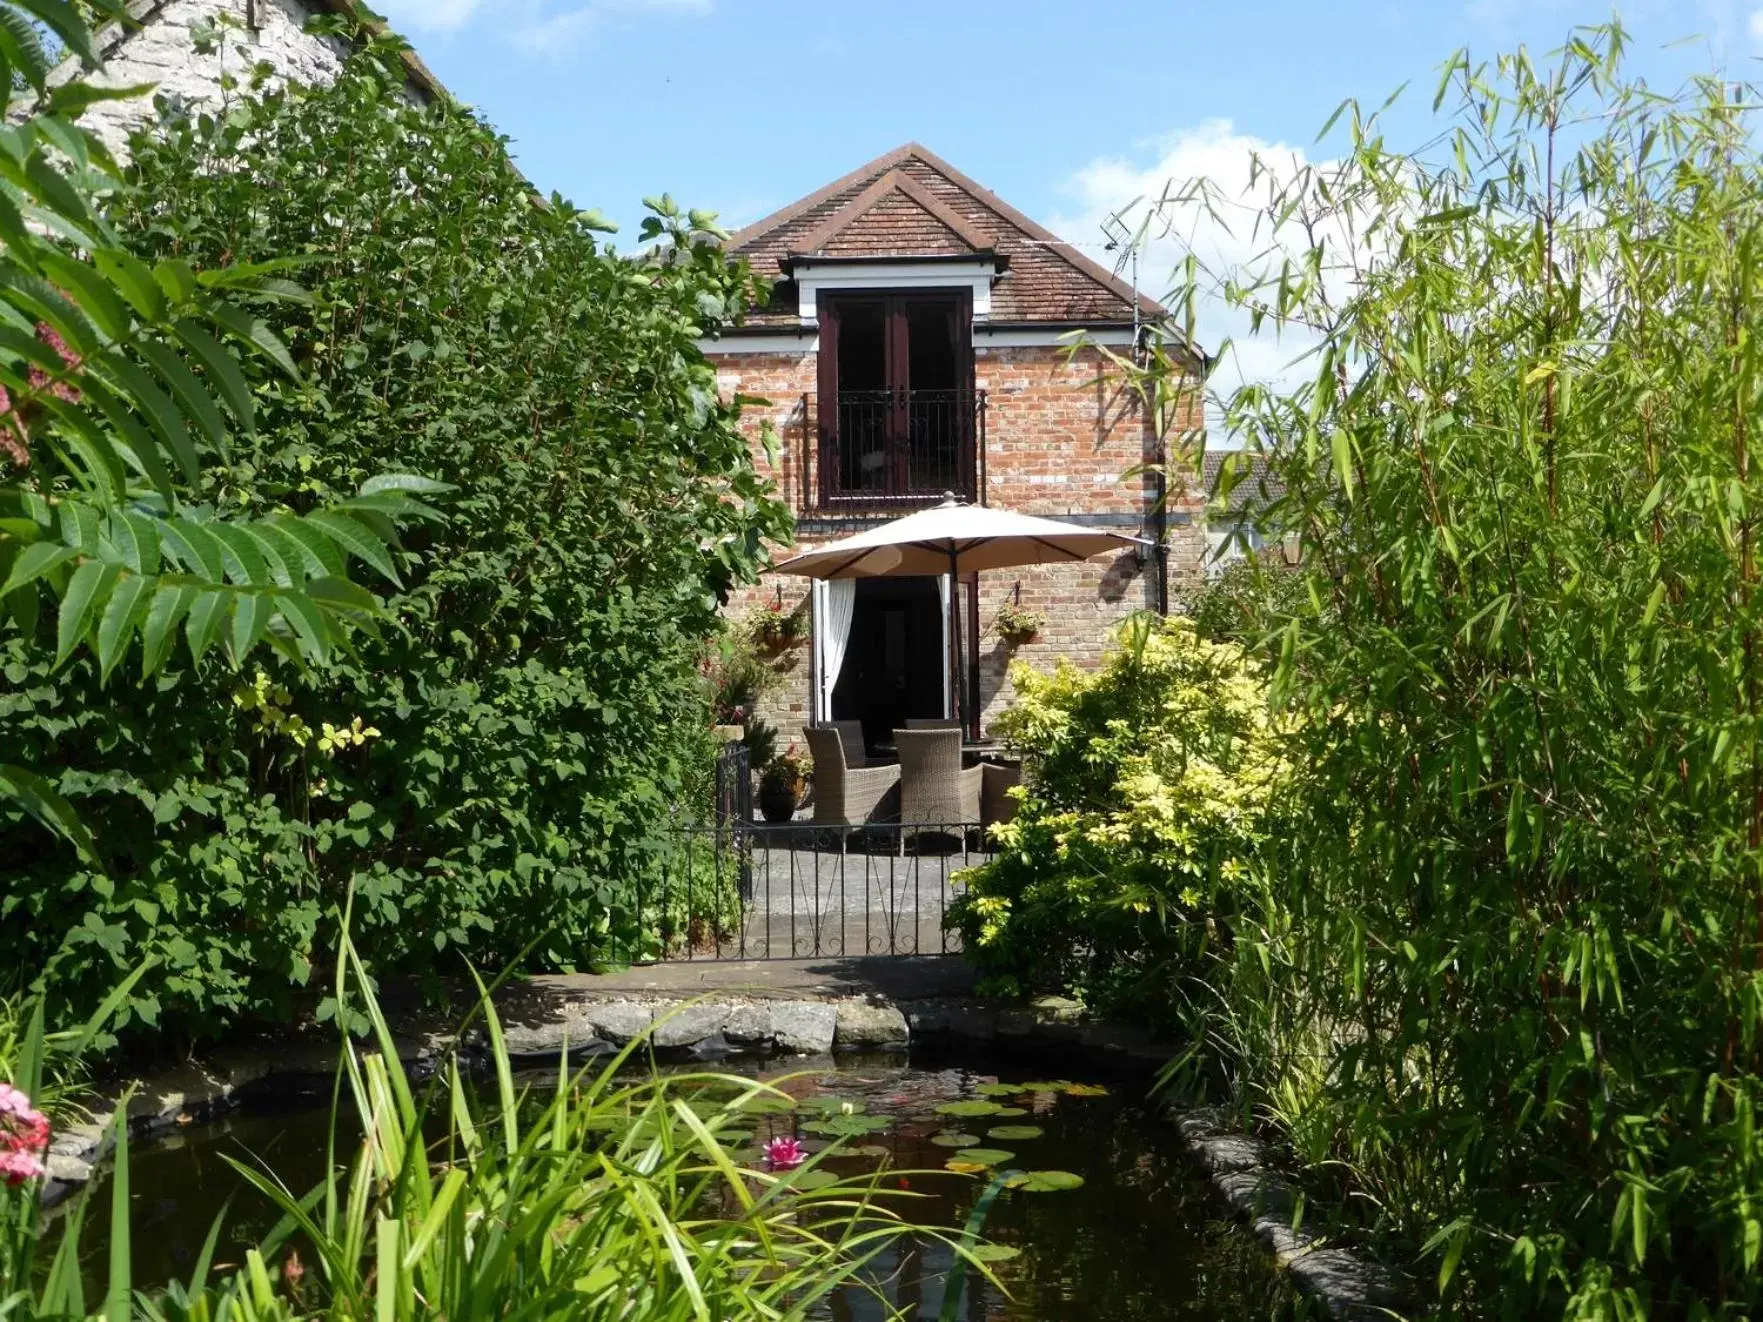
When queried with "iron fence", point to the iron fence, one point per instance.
{"points": [[737, 889]]}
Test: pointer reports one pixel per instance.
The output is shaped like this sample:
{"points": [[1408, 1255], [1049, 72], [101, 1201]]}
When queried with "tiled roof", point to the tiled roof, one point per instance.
{"points": [[911, 203], [1257, 487]]}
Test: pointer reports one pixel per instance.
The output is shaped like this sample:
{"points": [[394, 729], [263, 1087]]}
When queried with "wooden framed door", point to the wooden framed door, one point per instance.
{"points": [[895, 379]]}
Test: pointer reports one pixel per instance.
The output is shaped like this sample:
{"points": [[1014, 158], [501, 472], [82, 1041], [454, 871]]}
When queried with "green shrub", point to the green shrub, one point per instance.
{"points": [[1249, 603], [1147, 783], [509, 759]]}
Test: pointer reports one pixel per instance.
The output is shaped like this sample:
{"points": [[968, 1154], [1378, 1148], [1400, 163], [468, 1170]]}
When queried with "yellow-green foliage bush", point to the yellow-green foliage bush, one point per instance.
{"points": [[1148, 783]]}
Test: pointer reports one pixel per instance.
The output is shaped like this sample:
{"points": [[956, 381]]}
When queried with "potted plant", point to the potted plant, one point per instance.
{"points": [[1016, 624], [776, 629], [782, 784]]}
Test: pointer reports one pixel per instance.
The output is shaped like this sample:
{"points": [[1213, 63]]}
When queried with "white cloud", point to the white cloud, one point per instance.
{"points": [[1755, 25], [549, 29], [429, 15], [538, 26], [1224, 243], [553, 34]]}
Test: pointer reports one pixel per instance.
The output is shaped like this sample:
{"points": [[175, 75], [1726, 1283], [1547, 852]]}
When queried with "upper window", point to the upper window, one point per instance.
{"points": [[897, 407]]}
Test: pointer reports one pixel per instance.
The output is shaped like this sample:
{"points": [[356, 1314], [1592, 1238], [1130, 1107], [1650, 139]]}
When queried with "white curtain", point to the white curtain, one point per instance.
{"points": [[944, 584], [835, 600]]}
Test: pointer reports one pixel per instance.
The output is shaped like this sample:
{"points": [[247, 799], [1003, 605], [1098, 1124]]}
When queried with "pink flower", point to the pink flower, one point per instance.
{"points": [[18, 1166], [61, 389], [783, 1154], [52, 337], [24, 1131], [12, 434]]}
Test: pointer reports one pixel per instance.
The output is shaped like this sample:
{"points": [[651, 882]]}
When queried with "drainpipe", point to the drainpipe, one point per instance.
{"points": [[1159, 520]]}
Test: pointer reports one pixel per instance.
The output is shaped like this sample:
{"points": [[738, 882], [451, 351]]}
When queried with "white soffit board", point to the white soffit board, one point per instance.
{"points": [[1015, 337], [811, 277]]}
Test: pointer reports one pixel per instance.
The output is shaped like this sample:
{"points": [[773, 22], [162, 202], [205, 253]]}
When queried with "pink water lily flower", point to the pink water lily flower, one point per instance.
{"points": [[783, 1154]]}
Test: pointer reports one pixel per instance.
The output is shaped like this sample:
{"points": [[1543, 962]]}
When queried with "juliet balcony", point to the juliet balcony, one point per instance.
{"points": [[891, 449]]}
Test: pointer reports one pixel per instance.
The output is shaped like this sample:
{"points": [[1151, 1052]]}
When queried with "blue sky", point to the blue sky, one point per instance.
{"points": [[1069, 109]]}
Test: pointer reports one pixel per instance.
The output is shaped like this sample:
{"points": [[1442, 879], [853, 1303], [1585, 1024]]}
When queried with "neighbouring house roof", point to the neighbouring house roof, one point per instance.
{"points": [[1257, 487], [911, 203], [421, 76]]}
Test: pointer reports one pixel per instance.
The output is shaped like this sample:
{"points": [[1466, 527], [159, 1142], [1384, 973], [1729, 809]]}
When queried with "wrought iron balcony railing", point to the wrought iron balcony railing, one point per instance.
{"points": [[895, 447]]}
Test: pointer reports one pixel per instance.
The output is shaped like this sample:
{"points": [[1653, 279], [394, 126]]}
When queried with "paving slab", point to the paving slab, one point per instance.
{"points": [[890, 977]]}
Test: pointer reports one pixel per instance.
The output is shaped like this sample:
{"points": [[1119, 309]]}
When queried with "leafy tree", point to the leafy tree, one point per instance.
{"points": [[117, 383], [511, 759], [1504, 972]]}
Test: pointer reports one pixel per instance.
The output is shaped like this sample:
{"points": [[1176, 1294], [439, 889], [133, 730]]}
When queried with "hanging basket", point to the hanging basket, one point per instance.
{"points": [[1016, 625]]}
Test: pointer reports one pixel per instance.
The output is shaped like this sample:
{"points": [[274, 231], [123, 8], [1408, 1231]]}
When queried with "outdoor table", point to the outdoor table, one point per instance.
{"points": [[972, 750]]}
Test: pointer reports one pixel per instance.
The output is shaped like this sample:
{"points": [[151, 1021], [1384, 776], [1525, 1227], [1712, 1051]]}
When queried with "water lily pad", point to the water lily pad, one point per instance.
{"points": [[848, 1126], [994, 1252], [1057, 1085], [1086, 1090], [1010, 1110], [805, 1180], [998, 1089], [969, 1108], [1043, 1181], [1014, 1133], [827, 1102], [764, 1104], [986, 1156], [872, 1150], [954, 1138], [964, 1167]]}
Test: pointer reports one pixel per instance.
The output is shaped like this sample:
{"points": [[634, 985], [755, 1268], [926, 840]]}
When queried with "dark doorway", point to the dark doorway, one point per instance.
{"points": [[894, 661]]}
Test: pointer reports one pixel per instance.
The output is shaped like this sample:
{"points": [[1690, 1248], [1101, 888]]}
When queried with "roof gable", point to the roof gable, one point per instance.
{"points": [[910, 202], [896, 215]]}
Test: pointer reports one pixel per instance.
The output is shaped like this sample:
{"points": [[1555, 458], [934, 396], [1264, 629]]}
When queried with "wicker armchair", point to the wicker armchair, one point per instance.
{"points": [[851, 736], [934, 789], [996, 804], [845, 795], [933, 723]]}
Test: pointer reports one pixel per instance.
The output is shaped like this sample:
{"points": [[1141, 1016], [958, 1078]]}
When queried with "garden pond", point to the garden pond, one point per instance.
{"points": [[1110, 1221]]}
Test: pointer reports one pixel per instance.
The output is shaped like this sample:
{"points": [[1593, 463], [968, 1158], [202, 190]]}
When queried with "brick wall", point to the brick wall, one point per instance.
{"points": [[1059, 436]]}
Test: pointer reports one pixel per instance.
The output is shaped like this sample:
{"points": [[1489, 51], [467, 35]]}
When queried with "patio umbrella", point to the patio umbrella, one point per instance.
{"points": [[955, 538]]}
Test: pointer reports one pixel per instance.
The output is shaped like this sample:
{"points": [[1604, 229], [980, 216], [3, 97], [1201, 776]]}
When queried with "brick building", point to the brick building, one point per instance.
{"points": [[917, 341]]}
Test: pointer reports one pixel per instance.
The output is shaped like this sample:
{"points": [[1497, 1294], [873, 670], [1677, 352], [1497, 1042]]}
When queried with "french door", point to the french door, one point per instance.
{"points": [[896, 400]]}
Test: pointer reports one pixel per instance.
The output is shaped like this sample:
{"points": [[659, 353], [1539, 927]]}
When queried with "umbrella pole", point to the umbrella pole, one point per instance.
{"points": [[954, 640]]}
